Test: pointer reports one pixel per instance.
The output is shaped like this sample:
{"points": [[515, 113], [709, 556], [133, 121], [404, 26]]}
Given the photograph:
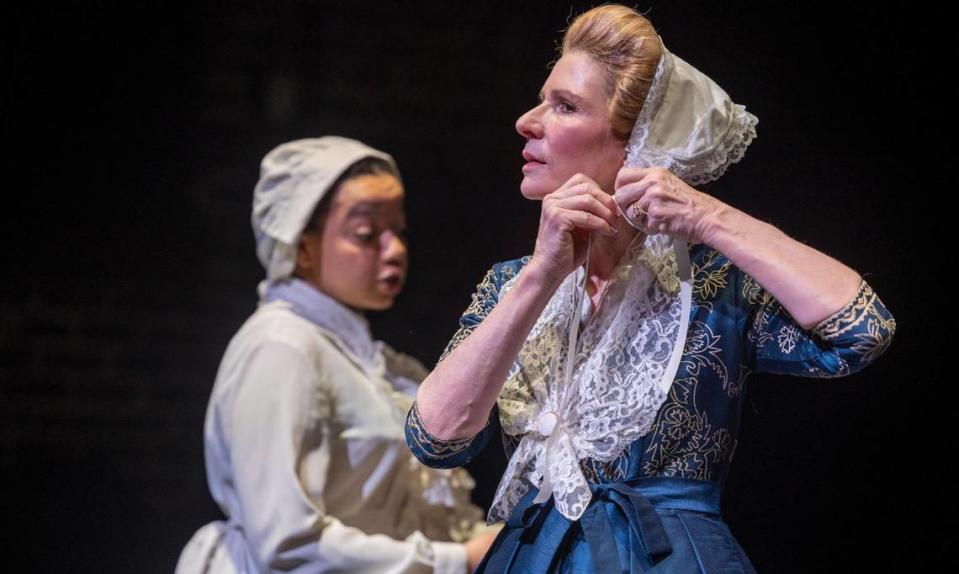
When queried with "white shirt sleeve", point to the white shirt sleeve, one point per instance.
{"points": [[276, 419]]}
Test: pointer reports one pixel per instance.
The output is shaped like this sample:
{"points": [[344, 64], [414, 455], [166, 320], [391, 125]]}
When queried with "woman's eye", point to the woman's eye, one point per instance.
{"points": [[565, 107], [364, 235]]}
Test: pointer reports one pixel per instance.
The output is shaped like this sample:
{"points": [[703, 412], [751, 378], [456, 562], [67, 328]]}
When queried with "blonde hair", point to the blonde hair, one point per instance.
{"points": [[625, 43]]}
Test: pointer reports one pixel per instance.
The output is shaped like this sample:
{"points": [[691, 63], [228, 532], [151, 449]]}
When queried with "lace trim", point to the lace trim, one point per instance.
{"points": [[701, 169], [625, 353]]}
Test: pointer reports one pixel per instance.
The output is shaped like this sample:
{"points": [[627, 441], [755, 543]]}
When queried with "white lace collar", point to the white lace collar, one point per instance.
{"points": [[624, 363]]}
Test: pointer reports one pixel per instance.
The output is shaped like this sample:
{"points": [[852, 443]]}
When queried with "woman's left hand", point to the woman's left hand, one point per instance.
{"points": [[656, 201]]}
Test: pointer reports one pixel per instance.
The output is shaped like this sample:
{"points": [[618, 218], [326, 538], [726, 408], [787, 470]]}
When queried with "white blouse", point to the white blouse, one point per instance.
{"points": [[305, 452]]}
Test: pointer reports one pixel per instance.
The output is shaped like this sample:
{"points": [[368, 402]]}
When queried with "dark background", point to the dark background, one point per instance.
{"points": [[134, 135]]}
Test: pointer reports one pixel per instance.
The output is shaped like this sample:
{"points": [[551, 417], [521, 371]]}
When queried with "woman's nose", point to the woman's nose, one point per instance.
{"points": [[393, 248], [529, 125]]}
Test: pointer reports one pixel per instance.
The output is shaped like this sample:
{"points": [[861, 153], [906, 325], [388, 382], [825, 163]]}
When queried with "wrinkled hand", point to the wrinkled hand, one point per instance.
{"points": [[568, 214], [656, 201]]}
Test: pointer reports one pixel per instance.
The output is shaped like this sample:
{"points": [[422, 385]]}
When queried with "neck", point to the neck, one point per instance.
{"points": [[312, 282]]}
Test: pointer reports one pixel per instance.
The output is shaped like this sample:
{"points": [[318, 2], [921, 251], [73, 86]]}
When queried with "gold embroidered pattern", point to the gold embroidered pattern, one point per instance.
{"points": [[707, 283], [753, 293], [878, 335], [427, 444], [484, 298], [597, 472], [703, 351], [684, 443], [862, 306], [485, 292]]}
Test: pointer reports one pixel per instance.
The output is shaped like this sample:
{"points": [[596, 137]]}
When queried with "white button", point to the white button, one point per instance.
{"points": [[546, 423]]}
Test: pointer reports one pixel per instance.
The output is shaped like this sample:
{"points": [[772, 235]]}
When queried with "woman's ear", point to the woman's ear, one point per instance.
{"points": [[308, 252]]}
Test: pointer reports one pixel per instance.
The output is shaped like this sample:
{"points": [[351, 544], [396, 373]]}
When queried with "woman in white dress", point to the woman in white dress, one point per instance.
{"points": [[304, 441]]}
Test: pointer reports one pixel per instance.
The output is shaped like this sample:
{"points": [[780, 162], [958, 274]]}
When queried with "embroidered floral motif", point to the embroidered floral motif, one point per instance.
{"points": [[703, 350], [877, 338], [708, 283], [684, 443], [788, 335]]}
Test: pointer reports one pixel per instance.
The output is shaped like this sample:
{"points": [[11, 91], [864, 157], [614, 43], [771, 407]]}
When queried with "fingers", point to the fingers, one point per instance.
{"points": [[649, 198], [654, 188], [568, 216], [652, 217], [582, 194], [633, 192], [628, 175], [592, 222], [576, 180], [637, 214], [597, 203], [573, 219]]}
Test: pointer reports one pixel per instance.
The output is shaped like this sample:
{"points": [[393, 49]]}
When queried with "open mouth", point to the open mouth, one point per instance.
{"points": [[392, 281]]}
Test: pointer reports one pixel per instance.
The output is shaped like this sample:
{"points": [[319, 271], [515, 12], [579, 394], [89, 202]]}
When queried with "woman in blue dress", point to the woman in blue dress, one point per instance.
{"points": [[614, 356]]}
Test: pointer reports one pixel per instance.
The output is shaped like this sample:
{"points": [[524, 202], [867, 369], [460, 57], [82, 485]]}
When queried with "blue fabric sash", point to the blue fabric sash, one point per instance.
{"points": [[540, 530]]}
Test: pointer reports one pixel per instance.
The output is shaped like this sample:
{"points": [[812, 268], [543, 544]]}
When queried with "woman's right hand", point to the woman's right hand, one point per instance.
{"points": [[568, 214]]}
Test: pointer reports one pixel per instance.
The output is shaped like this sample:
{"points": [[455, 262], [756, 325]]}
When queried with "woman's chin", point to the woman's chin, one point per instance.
{"points": [[531, 190]]}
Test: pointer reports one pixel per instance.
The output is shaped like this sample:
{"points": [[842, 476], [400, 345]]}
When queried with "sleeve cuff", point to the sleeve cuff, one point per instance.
{"points": [[428, 445], [450, 558], [847, 318]]}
